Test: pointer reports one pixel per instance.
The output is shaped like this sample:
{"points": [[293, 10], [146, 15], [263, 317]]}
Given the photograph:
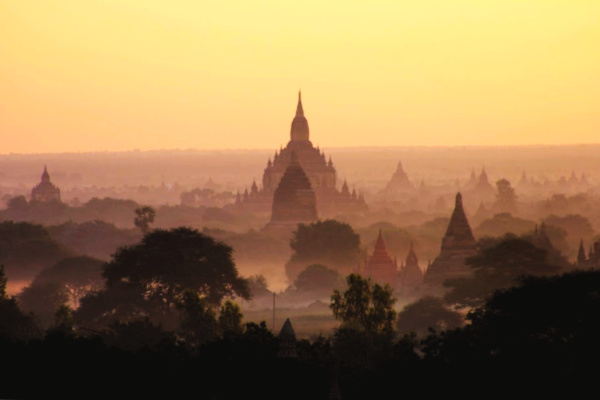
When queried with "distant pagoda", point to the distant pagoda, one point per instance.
{"points": [[45, 191], [287, 341], [458, 244], [380, 266], [399, 185], [320, 172], [411, 275]]}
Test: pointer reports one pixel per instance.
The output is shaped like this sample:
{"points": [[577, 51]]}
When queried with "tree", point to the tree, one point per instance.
{"points": [[198, 319], [506, 199], [76, 275], [427, 312], [364, 306], [544, 329], [144, 216], [328, 242], [319, 279], [497, 265], [28, 248], [14, 324], [230, 318], [63, 319], [43, 299], [149, 278]]}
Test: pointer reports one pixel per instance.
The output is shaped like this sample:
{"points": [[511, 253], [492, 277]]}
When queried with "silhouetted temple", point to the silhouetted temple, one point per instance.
{"points": [[411, 275], [593, 258], [45, 190], [380, 266], [294, 200], [458, 244], [399, 185], [320, 172], [287, 341]]}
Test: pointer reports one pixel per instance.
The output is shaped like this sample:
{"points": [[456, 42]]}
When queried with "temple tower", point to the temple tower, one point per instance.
{"points": [[294, 200], [45, 191], [380, 266], [457, 244], [299, 131], [411, 275], [287, 341]]}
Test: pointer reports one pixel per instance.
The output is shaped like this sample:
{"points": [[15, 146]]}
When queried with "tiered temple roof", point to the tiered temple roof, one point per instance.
{"points": [[294, 200], [457, 244], [381, 267], [45, 190]]}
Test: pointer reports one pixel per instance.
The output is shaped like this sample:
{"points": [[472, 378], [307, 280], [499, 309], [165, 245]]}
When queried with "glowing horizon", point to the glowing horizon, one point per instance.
{"points": [[112, 75]]}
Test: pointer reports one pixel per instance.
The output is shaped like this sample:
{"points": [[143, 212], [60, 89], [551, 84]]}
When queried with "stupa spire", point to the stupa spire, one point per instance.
{"points": [[299, 131], [299, 109]]}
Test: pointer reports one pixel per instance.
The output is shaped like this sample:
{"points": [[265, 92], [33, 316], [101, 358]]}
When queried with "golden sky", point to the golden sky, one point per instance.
{"points": [[100, 75]]}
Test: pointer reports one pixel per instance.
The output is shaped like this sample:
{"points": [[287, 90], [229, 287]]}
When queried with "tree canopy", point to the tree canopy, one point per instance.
{"points": [[329, 242], [148, 278], [318, 278], [144, 216], [425, 313], [364, 306], [497, 265]]}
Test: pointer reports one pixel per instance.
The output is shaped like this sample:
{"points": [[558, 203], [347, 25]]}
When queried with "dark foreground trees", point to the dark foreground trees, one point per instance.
{"points": [[364, 306], [498, 265], [147, 279]]}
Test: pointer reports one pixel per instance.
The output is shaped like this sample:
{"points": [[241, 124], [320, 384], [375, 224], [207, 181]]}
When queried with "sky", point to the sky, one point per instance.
{"points": [[113, 75]]}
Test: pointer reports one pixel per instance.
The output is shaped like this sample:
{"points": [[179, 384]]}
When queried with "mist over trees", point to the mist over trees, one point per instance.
{"points": [[187, 296]]}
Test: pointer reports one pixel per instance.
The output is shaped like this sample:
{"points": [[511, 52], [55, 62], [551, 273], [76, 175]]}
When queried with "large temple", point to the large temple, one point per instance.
{"points": [[45, 191], [320, 172], [294, 200], [458, 244]]}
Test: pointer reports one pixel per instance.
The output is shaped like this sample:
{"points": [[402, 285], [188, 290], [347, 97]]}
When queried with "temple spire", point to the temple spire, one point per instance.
{"points": [[299, 109], [299, 131]]}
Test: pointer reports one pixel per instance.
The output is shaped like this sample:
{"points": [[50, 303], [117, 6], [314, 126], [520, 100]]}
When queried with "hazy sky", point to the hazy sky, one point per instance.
{"points": [[123, 74]]}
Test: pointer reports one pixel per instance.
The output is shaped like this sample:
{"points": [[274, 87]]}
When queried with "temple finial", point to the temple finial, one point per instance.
{"points": [[299, 109]]}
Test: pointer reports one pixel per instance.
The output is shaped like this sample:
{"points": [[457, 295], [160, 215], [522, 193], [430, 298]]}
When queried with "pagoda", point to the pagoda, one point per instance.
{"points": [[380, 267], [411, 275], [457, 244], [45, 191], [399, 185], [319, 170], [294, 200]]}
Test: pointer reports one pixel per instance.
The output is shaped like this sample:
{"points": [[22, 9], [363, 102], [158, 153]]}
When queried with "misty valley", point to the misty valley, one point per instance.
{"points": [[338, 280]]}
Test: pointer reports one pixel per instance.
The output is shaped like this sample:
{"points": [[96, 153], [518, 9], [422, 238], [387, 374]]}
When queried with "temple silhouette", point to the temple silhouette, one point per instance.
{"points": [[457, 244], [383, 269], [294, 200], [45, 191], [320, 172]]}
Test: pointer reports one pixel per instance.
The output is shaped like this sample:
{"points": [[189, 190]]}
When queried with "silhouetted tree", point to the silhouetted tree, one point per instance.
{"points": [[230, 318], [144, 216], [198, 319], [43, 299], [258, 286], [14, 324], [364, 306], [425, 313], [498, 267], [76, 275], [148, 279], [329, 242], [28, 248], [63, 319], [506, 199], [319, 279], [541, 333]]}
